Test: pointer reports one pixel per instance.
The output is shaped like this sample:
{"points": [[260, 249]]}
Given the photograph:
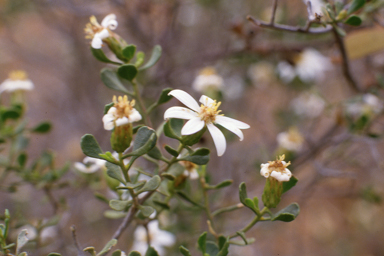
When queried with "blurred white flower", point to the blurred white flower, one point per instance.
{"points": [[31, 231], [276, 169], [205, 115], [90, 165], [368, 105], [207, 80], [158, 238], [291, 140], [315, 9], [190, 170], [309, 65], [121, 113], [17, 80], [234, 87], [308, 105], [261, 74], [98, 32]]}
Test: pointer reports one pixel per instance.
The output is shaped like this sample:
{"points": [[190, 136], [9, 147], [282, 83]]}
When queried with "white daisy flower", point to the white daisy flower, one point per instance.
{"points": [[276, 169], [205, 115], [291, 140], [261, 74], [158, 238], [309, 66], [17, 80], [207, 79], [90, 165], [308, 105], [369, 104], [98, 32], [121, 113]]}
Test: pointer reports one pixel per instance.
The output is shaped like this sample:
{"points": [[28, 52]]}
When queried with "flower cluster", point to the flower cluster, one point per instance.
{"points": [[308, 105], [276, 169], [122, 112], [97, 32], [291, 140], [208, 79], [205, 115]]}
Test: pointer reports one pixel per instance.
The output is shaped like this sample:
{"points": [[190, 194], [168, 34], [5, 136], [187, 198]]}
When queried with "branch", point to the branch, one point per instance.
{"points": [[346, 70], [127, 220], [79, 251], [274, 7], [297, 29]]}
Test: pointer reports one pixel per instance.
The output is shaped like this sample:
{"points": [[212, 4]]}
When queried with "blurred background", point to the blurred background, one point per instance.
{"points": [[339, 167]]}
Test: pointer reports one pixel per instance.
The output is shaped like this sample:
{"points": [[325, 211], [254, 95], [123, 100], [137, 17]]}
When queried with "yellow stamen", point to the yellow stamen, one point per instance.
{"points": [[189, 166], [123, 106], [278, 165], [18, 75], [92, 28], [295, 136], [208, 113], [208, 71]]}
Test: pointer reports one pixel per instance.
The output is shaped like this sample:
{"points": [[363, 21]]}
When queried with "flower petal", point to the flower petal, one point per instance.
{"points": [[102, 34], [186, 99], [179, 112], [206, 100], [222, 120], [96, 43], [233, 129], [218, 139], [192, 126], [109, 21], [122, 121]]}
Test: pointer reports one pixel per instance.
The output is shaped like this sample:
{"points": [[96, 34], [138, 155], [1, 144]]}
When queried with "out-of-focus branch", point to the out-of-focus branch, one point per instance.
{"points": [[127, 220], [305, 30], [346, 69], [74, 237], [274, 7]]}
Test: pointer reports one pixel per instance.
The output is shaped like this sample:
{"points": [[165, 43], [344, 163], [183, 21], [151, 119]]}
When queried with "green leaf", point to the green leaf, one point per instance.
{"points": [[119, 205], [42, 127], [168, 176], [127, 71], [111, 214], [116, 253], [90, 147], [156, 54], [145, 141], [251, 205], [22, 159], [101, 197], [171, 151], [188, 199], [54, 254], [172, 128], [192, 139], [356, 5], [222, 241], [162, 204], [184, 251], [10, 114], [25, 254], [242, 235], [222, 184], [340, 31], [164, 97], [129, 51], [108, 246], [199, 157], [146, 210], [114, 172], [151, 252], [134, 253], [287, 185], [139, 59], [133, 186], [152, 184], [112, 81], [243, 193], [202, 242], [90, 250], [224, 250], [99, 55], [155, 153], [287, 214], [353, 21], [211, 248], [21, 240]]}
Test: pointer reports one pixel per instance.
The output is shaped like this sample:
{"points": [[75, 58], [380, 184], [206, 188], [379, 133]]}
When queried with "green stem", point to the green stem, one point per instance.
{"points": [[141, 104], [206, 201], [258, 218], [227, 209]]}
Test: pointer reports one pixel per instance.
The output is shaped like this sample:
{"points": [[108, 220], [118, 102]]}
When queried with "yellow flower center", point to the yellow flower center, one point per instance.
{"points": [[208, 71], [123, 106], [189, 166], [92, 28], [18, 75], [208, 113], [278, 165]]}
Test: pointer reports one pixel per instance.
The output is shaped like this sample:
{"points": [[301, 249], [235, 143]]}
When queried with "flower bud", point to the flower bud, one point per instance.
{"points": [[121, 137]]}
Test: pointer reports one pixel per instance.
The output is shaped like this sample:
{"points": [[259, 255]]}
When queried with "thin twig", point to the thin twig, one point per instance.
{"points": [[346, 69], [274, 7], [127, 220], [51, 199], [74, 237], [287, 28]]}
